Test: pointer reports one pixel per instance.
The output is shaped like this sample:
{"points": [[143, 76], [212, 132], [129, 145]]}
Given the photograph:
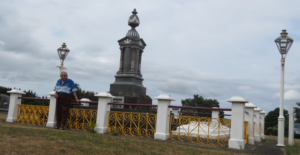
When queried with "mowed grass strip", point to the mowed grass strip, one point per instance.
{"points": [[2, 117], [16, 138]]}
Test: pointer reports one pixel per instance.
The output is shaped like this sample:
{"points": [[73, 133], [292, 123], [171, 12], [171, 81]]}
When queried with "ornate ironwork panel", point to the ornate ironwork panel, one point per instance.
{"points": [[32, 114], [246, 132], [81, 119], [202, 130], [132, 123]]}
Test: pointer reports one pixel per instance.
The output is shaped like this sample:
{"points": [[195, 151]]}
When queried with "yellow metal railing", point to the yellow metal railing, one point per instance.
{"points": [[202, 130], [246, 132], [132, 123], [81, 119], [32, 114], [78, 119], [253, 128], [259, 128]]}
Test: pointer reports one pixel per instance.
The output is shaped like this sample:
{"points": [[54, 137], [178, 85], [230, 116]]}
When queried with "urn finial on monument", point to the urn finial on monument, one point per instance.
{"points": [[134, 20], [129, 79]]}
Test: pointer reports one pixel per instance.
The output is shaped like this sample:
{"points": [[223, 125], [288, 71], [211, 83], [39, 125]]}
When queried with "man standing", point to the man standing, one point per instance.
{"points": [[63, 90]]}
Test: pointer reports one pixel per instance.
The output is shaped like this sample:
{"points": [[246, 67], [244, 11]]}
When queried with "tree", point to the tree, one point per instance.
{"points": [[199, 101], [3, 90], [32, 94], [297, 113], [271, 122], [85, 94]]}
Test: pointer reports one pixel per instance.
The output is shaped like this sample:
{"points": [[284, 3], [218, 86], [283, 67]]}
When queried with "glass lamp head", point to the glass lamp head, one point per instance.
{"points": [[63, 52], [284, 43]]}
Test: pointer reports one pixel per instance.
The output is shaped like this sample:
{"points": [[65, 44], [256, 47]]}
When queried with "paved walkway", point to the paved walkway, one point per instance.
{"points": [[267, 148]]}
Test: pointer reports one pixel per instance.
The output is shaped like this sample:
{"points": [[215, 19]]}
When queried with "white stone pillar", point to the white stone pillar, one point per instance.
{"points": [[257, 137], [215, 113], [262, 121], [291, 125], [102, 113], [249, 116], [162, 117], [85, 104], [236, 140], [52, 111], [13, 105]]}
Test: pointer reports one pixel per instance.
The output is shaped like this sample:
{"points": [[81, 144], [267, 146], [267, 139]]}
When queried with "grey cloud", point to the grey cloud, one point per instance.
{"points": [[194, 47]]}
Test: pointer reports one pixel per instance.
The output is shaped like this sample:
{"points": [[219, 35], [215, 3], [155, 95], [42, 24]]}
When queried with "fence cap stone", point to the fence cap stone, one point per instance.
{"points": [[15, 91], [262, 112], [257, 109], [104, 94], [164, 97], [250, 105], [51, 93], [239, 99], [85, 99]]}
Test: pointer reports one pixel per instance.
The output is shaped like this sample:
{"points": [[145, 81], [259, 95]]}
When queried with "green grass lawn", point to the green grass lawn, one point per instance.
{"points": [[16, 138]]}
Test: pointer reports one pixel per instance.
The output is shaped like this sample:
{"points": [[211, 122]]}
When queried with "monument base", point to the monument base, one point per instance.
{"points": [[134, 98], [134, 88]]}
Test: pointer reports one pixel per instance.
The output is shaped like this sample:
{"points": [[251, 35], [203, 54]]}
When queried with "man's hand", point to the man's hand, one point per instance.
{"points": [[56, 95], [76, 97]]}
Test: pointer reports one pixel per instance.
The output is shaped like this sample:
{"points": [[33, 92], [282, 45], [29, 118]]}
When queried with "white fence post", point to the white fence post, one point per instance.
{"points": [[262, 121], [13, 105], [85, 104], [175, 111], [52, 111], [257, 137], [249, 108], [162, 117], [236, 140], [215, 113], [291, 125], [102, 113]]}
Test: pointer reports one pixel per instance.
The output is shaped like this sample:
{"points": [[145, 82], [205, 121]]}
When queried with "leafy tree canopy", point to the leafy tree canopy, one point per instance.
{"points": [[199, 101], [271, 122], [3, 90], [297, 113], [85, 94]]}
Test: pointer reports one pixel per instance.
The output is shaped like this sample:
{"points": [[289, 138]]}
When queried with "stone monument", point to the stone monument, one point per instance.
{"points": [[129, 79]]}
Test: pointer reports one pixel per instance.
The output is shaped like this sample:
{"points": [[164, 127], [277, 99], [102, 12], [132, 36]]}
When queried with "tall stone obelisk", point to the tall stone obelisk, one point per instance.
{"points": [[129, 79]]}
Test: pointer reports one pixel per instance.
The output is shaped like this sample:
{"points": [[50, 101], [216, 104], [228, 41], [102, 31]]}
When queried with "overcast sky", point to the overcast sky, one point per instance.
{"points": [[216, 48]]}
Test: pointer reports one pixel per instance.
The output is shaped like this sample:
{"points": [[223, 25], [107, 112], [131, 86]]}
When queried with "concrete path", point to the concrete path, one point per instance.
{"points": [[267, 148]]}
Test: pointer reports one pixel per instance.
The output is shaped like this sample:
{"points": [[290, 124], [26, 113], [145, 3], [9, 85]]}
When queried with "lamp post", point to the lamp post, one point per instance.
{"points": [[283, 43], [62, 53]]}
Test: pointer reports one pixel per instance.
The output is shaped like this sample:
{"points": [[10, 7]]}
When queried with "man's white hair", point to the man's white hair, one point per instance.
{"points": [[63, 72]]}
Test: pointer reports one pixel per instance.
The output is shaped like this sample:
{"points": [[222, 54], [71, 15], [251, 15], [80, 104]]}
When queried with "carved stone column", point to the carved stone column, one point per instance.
{"points": [[121, 60], [140, 61], [132, 60]]}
